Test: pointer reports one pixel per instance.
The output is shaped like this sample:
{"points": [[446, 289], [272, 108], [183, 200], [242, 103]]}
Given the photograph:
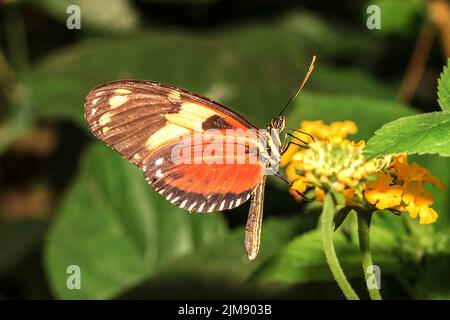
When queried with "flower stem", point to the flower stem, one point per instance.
{"points": [[364, 218], [326, 224]]}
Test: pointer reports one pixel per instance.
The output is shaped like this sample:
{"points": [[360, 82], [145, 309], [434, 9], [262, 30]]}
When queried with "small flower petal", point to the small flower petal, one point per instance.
{"points": [[382, 193]]}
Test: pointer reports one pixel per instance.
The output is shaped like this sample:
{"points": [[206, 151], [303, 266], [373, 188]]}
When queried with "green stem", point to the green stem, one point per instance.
{"points": [[364, 218], [326, 223]]}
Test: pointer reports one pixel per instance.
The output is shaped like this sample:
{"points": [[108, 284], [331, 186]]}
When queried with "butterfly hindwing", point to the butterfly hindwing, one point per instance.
{"points": [[145, 122]]}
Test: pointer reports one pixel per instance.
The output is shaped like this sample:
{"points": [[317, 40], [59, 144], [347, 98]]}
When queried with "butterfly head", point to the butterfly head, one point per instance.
{"points": [[278, 123]]}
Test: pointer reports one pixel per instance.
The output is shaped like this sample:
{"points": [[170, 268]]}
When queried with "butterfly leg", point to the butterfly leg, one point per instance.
{"points": [[302, 132], [283, 178], [299, 142]]}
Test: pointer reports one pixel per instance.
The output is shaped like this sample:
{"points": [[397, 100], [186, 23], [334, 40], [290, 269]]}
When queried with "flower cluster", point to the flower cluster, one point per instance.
{"points": [[332, 162], [401, 188]]}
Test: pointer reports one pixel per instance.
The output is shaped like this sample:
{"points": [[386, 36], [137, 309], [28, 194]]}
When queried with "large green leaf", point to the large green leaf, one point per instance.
{"points": [[17, 239], [331, 80], [444, 88], [432, 274], [427, 133], [221, 269], [368, 113], [117, 230], [303, 259], [120, 15]]}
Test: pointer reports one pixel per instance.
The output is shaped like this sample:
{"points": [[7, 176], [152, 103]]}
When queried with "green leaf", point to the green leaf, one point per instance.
{"points": [[221, 270], [16, 123], [13, 128], [117, 230], [427, 133], [397, 16], [444, 88], [368, 113], [303, 259], [351, 81], [120, 15], [17, 239], [431, 283]]}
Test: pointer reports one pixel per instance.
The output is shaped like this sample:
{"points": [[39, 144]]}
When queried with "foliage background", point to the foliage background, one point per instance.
{"points": [[67, 199]]}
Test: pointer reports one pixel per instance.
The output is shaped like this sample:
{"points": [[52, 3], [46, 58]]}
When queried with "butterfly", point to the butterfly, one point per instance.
{"points": [[178, 139]]}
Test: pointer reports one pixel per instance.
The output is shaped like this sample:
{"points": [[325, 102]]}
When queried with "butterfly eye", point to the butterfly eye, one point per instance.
{"points": [[278, 123], [282, 123]]}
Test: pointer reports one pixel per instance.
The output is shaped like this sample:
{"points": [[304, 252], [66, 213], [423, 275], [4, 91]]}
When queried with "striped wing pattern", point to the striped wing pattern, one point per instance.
{"points": [[144, 121]]}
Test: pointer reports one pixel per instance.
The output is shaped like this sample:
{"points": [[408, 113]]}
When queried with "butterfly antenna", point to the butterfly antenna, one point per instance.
{"points": [[311, 67]]}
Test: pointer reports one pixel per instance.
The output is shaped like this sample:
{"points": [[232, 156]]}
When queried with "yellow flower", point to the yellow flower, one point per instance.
{"points": [[401, 188], [292, 174], [382, 193], [299, 187], [349, 195], [333, 162], [319, 131], [418, 202], [320, 194], [414, 172], [322, 131]]}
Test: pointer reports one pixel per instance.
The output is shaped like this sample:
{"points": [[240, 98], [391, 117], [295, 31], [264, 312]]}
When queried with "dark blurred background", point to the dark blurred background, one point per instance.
{"points": [[65, 199]]}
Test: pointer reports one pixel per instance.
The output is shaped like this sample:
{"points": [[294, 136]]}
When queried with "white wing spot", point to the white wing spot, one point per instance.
{"points": [[136, 156], [212, 207], [162, 191], [231, 204], [222, 205], [201, 207], [122, 91], [94, 101], [175, 199], [100, 93], [159, 161], [169, 196], [183, 204], [117, 101], [174, 95], [192, 206], [238, 202], [159, 173], [105, 118]]}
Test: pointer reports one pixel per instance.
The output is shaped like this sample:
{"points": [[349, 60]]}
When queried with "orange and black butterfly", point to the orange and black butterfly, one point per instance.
{"points": [[168, 132]]}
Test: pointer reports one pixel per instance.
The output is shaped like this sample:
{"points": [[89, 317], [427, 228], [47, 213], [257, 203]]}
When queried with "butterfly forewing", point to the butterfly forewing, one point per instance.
{"points": [[147, 122]]}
